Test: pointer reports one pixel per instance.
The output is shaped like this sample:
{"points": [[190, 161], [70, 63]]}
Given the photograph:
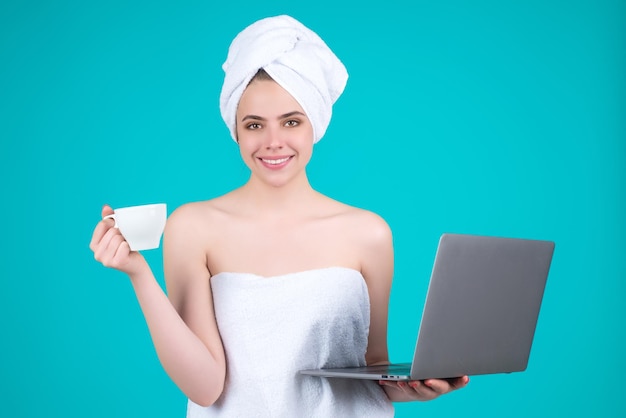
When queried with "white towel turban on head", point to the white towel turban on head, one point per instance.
{"points": [[295, 57]]}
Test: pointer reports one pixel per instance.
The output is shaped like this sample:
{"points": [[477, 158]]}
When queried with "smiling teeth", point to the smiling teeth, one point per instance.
{"points": [[282, 160]]}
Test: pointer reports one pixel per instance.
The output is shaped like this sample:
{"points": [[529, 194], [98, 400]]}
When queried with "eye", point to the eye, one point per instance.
{"points": [[252, 126], [292, 123]]}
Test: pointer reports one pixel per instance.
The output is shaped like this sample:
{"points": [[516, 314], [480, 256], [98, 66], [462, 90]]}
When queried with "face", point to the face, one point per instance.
{"points": [[274, 134]]}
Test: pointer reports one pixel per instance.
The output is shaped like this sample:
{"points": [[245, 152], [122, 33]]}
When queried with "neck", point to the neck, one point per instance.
{"points": [[268, 200]]}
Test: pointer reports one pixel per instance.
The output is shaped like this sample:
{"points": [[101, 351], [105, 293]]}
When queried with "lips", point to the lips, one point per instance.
{"points": [[276, 162]]}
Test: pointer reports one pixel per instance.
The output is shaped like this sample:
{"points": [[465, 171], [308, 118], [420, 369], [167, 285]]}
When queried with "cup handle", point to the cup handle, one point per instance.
{"points": [[111, 216]]}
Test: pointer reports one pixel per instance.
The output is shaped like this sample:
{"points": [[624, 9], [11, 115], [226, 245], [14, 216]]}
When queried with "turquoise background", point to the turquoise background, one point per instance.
{"points": [[487, 117]]}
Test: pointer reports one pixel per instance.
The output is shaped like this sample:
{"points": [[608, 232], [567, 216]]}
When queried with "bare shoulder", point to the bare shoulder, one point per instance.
{"points": [[375, 227], [191, 213], [367, 234], [196, 218], [375, 240], [366, 226], [190, 230]]}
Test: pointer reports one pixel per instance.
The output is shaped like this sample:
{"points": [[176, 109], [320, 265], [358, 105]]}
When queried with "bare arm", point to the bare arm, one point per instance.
{"points": [[377, 269], [200, 371], [188, 351]]}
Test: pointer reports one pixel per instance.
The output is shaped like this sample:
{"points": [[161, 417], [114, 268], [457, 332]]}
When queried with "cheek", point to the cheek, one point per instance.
{"points": [[248, 148], [246, 157], [307, 151], [244, 149], [310, 133]]}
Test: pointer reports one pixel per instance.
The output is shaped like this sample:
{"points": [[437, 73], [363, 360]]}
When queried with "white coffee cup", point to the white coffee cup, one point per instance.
{"points": [[141, 226]]}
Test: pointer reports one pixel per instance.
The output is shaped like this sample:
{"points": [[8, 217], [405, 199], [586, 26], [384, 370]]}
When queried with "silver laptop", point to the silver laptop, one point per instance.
{"points": [[480, 313]]}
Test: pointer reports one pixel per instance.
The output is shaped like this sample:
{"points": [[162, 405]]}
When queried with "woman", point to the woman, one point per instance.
{"points": [[272, 277]]}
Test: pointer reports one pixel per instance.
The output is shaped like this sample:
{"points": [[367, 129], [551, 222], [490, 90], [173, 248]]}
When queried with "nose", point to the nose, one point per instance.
{"points": [[275, 138]]}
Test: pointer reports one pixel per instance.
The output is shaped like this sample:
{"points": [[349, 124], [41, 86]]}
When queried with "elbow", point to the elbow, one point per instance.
{"points": [[209, 396], [203, 384], [204, 401]]}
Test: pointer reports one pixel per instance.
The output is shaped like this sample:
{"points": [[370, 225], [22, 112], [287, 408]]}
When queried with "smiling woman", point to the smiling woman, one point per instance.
{"points": [[274, 134], [496, 117], [272, 277]]}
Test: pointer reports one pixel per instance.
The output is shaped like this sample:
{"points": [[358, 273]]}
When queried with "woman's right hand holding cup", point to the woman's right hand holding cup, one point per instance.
{"points": [[111, 249]]}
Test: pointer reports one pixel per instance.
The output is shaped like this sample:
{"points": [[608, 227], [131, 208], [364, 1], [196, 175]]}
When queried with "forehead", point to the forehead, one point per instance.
{"points": [[267, 98]]}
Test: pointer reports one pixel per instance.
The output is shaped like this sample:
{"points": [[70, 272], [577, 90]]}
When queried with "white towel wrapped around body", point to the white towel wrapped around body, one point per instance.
{"points": [[272, 327], [295, 57]]}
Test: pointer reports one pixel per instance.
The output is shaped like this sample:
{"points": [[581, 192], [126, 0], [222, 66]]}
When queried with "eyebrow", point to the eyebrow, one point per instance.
{"points": [[286, 115]]}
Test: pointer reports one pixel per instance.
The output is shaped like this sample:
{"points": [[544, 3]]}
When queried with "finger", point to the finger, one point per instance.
{"points": [[400, 386], [107, 246], [106, 210], [423, 390], [447, 385], [99, 231], [437, 385], [442, 386], [116, 254], [122, 253], [405, 387], [101, 228], [459, 382], [390, 383]]}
